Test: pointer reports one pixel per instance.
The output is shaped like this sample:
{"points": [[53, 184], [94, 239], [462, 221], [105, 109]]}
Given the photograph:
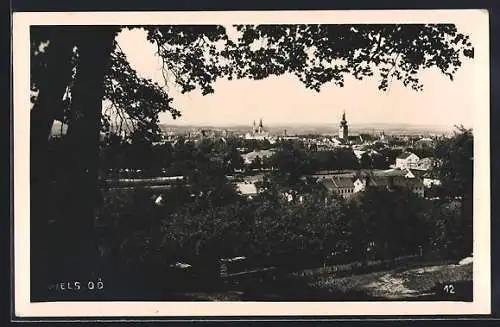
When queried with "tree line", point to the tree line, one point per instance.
{"points": [[180, 157]]}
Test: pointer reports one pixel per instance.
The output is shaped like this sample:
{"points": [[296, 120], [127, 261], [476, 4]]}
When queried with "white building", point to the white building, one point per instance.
{"points": [[407, 160]]}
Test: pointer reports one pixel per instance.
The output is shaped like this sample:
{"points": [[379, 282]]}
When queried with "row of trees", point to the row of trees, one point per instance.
{"points": [[180, 157], [200, 230]]}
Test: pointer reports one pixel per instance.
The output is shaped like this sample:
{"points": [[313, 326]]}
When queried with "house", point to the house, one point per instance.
{"points": [[371, 180], [340, 185], [389, 183], [407, 160], [324, 144]]}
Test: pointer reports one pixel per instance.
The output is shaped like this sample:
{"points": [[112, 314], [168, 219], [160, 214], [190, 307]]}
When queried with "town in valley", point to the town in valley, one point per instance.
{"points": [[376, 159]]}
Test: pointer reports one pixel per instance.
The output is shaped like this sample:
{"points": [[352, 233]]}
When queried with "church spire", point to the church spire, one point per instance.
{"points": [[344, 130]]}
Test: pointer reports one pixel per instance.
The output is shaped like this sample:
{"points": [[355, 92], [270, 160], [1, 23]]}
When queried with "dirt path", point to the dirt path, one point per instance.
{"points": [[390, 287]]}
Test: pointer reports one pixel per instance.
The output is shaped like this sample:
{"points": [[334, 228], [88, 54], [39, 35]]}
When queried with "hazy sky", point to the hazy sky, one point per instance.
{"points": [[285, 100]]}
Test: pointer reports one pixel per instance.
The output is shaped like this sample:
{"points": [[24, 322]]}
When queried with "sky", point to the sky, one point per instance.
{"points": [[284, 100]]}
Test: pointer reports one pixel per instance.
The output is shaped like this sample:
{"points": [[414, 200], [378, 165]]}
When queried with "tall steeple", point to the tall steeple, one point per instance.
{"points": [[260, 129], [344, 129], [343, 118]]}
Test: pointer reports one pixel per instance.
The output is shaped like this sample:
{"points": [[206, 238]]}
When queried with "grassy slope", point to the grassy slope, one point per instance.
{"points": [[397, 283]]}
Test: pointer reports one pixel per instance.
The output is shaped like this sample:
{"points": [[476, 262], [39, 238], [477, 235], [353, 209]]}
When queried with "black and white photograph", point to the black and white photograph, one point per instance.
{"points": [[297, 161]]}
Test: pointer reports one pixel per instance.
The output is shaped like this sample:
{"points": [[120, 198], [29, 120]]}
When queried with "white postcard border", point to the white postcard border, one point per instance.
{"points": [[21, 77]]}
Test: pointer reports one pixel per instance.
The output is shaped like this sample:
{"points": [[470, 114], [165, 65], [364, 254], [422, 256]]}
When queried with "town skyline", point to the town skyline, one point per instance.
{"points": [[355, 125]]}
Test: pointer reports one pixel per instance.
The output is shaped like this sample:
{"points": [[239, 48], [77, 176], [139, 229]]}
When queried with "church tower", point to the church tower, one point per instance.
{"points": [[344, 129]]}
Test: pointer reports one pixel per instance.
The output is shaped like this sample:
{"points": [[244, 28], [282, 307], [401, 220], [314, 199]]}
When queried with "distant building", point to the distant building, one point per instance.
{"points": [[325, 144], [407, 160], [343, 129], [390, 183], [373, 181], [340, 185], [259, 133], [383, 138]]}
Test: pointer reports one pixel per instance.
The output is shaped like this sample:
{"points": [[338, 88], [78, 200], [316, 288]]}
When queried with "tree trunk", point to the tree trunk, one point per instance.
{"points": [[51, 86], [77, 259]]}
